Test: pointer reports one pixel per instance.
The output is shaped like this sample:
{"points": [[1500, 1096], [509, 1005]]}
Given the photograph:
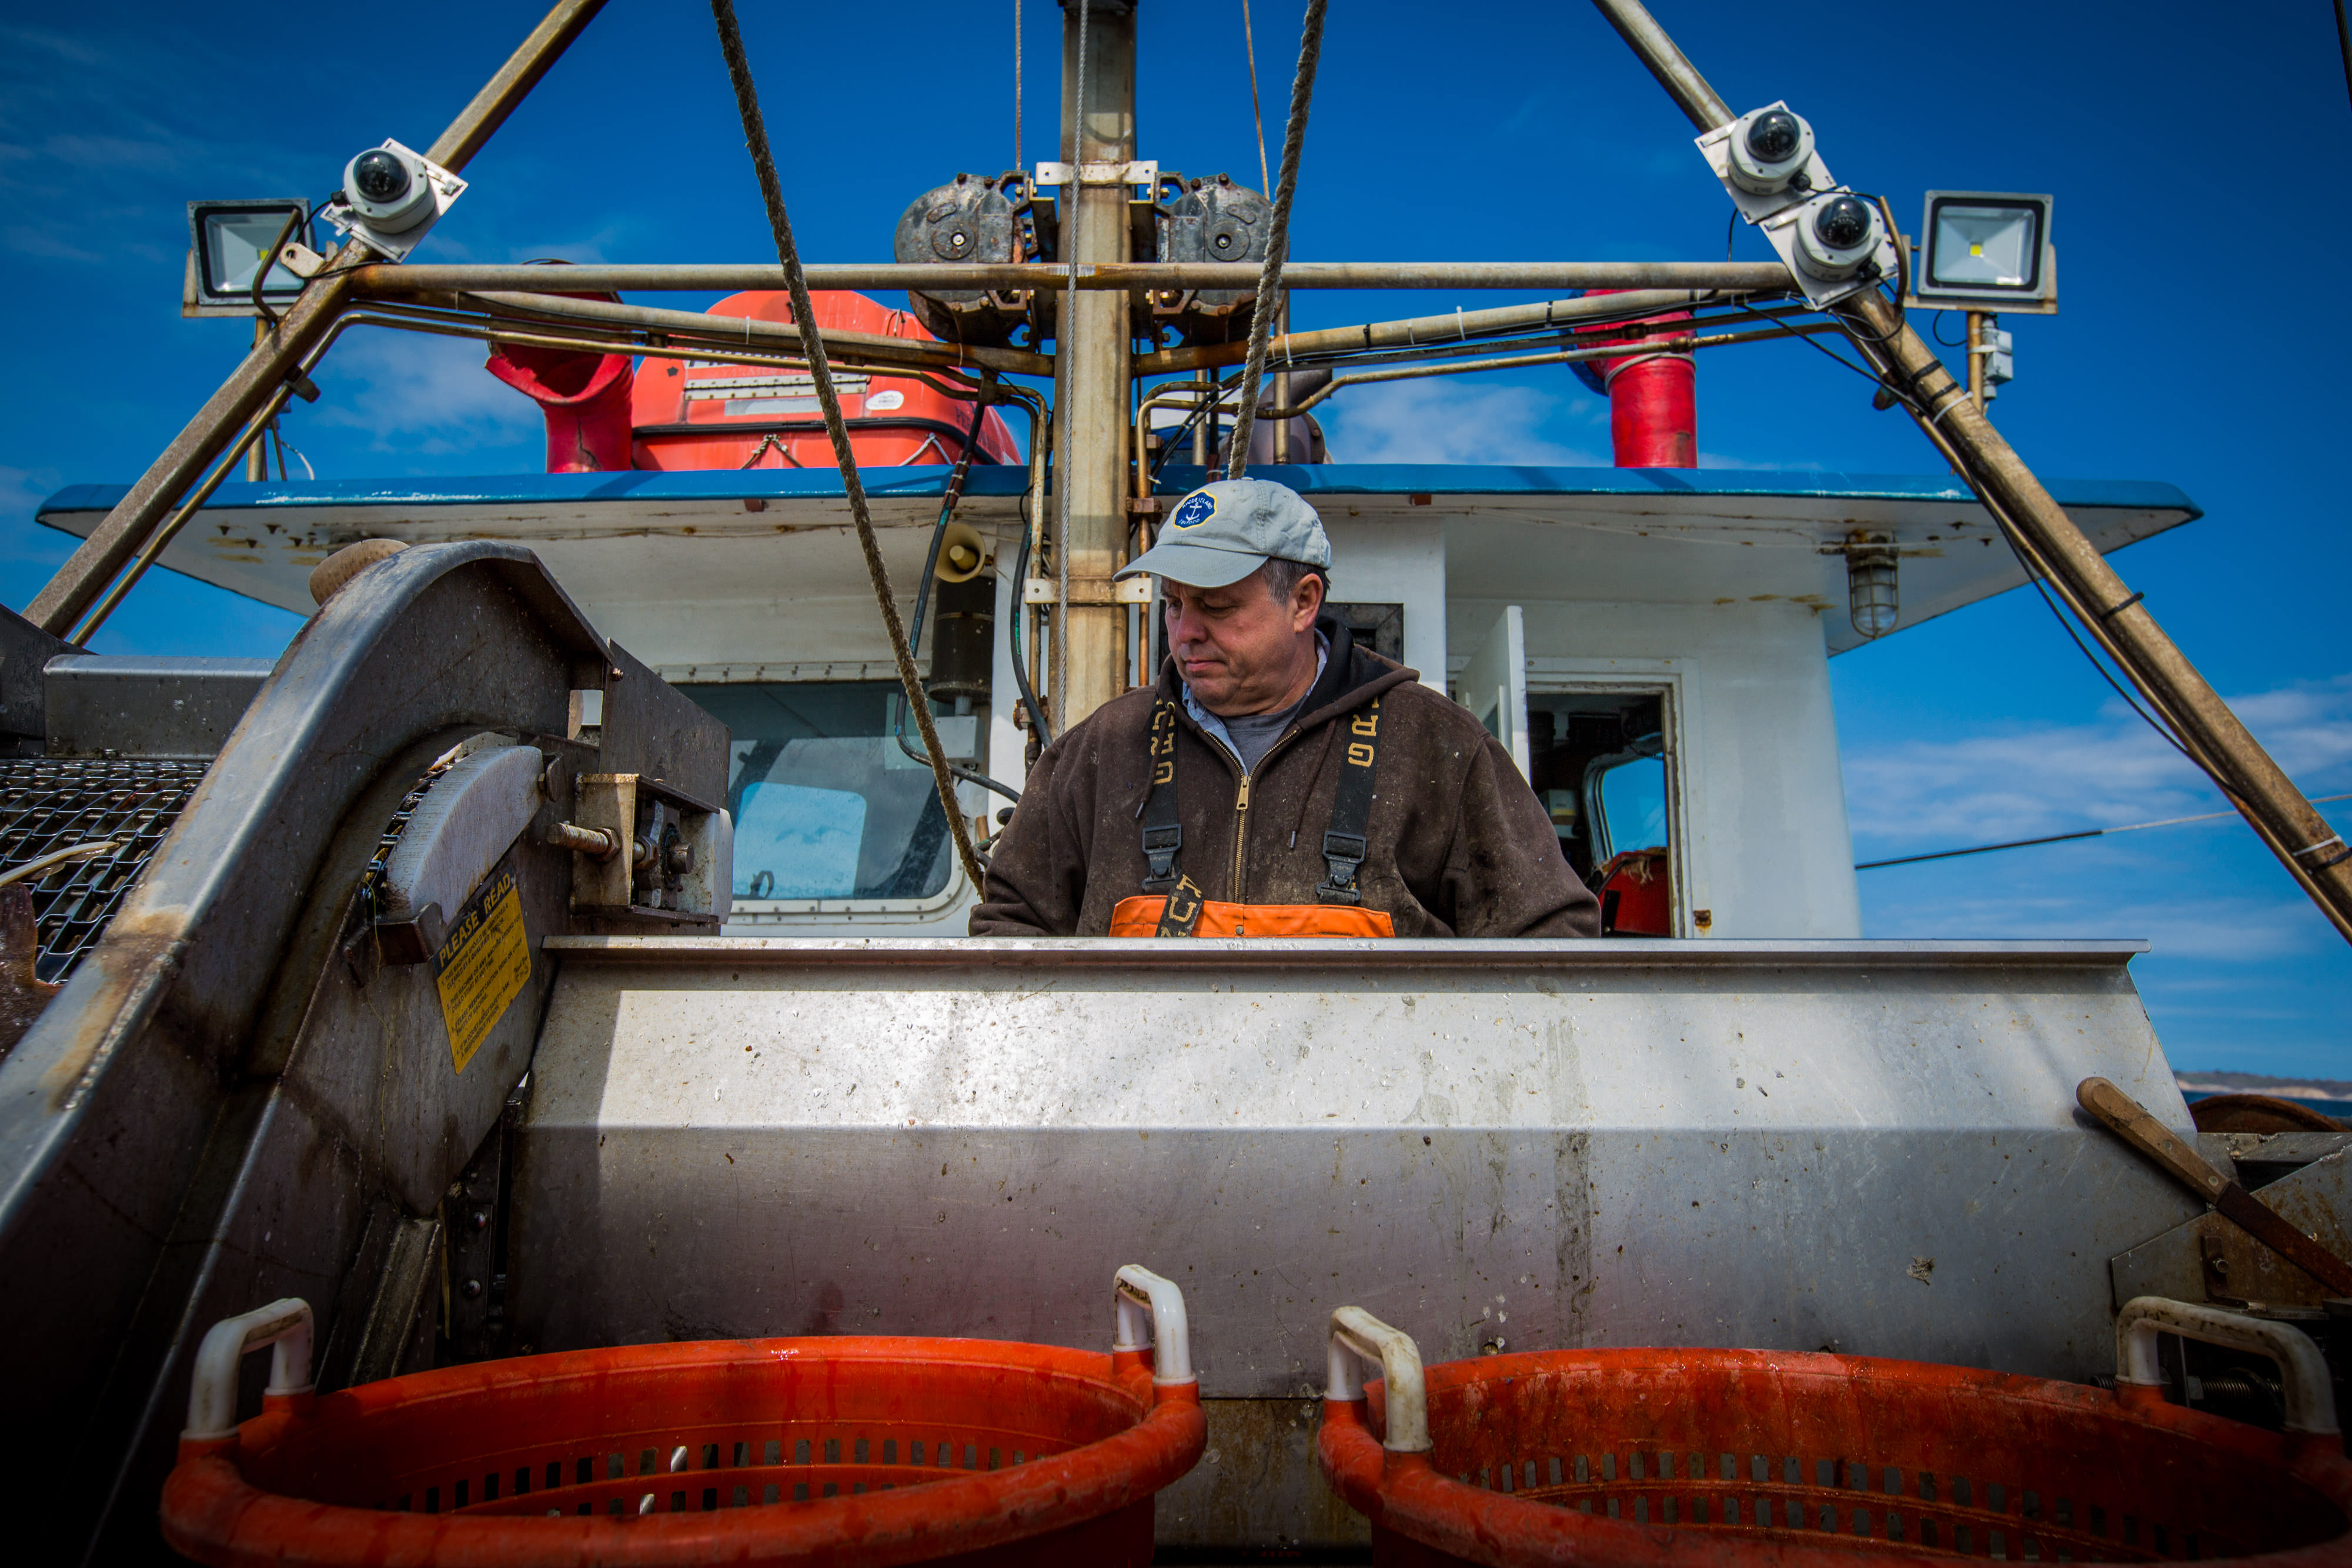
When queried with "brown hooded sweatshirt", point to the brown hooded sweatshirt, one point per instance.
{"points": [[1459, 846]]}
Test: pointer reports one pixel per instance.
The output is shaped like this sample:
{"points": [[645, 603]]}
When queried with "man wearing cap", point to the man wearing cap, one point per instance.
{"points": [[1279, 781]]}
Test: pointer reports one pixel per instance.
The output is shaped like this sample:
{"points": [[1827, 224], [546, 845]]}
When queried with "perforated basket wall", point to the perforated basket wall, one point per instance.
{"points": [[1720, 1457], [850, 1451]]}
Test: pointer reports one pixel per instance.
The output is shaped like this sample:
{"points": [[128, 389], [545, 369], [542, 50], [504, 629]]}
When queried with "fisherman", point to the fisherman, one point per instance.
{"points": [[1280, 780]]}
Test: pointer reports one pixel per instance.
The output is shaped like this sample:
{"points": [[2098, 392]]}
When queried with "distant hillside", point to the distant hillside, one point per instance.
{"points": [[2260, 1084]]}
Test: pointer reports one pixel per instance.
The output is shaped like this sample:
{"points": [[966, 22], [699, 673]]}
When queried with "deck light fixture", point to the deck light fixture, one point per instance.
{"points": [[226, 242], [1871, 591], [1987, 251]]}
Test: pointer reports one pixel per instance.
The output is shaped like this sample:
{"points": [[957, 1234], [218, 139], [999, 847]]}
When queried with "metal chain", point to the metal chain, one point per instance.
{"points": [[1278, 243], [371, 880], [755, 139]]}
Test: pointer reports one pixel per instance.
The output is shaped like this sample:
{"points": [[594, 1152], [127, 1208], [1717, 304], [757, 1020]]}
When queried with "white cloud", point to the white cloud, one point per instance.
{"points": [[1443, 420], [2213, 929], [2055, 779], [421, 395]]}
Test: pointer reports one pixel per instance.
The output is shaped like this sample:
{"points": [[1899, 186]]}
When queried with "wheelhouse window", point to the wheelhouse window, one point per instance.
{"points": [[826, 806], [1599, 762]]}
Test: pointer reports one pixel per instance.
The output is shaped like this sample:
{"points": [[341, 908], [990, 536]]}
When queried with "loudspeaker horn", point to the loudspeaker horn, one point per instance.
{"points": [[963, 554]]}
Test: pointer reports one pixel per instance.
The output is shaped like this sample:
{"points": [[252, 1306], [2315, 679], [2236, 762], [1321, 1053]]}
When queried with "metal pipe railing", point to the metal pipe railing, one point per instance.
{"points": [[1425, 332], [411, 281]]}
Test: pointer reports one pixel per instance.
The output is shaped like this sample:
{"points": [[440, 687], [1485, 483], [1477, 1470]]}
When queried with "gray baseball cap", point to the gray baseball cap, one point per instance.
{"points": [[1223, 531]]}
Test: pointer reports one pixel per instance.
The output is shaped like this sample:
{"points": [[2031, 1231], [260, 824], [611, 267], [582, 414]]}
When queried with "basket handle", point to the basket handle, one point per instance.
{"points": [[1150, 1316], [212, 1392], [1358, 1337], [2310, 1397]]}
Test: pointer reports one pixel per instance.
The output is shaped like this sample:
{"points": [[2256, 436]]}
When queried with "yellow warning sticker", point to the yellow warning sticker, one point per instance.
{"points": [[485, 963]]}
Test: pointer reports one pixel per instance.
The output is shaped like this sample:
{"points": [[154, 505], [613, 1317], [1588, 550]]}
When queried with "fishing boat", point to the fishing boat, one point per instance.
{"points": [[561, 945]]}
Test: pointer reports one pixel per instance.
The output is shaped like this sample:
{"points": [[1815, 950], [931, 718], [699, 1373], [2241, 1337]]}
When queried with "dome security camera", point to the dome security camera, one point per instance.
{"points": [[389, 187], [392, 197], [1768, 152], [1835, 234]]}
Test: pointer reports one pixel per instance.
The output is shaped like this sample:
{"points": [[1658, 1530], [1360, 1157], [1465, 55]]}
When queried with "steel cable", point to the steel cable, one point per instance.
{"points": [[755, 140], [1277, 243]]}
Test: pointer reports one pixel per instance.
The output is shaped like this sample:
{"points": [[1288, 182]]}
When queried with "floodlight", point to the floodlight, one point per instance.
{"points": [[227, 241], [1986, 251]]}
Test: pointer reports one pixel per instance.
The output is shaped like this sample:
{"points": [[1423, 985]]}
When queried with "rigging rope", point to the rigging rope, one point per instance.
{"points": [[755, 139], [1278, 243]]}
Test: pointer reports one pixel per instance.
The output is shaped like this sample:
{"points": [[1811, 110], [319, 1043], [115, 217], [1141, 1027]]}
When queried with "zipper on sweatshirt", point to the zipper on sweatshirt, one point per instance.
{"points": [[1240, 834]]}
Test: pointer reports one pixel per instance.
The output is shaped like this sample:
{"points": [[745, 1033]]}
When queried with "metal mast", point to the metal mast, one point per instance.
{"points": [[1094, 374]]}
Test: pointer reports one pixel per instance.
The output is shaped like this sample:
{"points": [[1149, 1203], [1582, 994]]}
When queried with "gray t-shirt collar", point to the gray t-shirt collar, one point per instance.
{"points": [[1251, 737]]}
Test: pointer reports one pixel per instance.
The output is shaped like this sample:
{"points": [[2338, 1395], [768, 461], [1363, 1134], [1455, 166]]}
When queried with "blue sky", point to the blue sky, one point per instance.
{"points": [[2190, 149]]}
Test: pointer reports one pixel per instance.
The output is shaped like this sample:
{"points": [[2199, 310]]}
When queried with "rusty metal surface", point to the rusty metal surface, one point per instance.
{"points": [[1513, 1146]]}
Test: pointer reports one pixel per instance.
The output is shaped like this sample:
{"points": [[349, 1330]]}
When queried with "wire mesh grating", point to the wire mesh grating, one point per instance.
{"points": [[49, 803]]}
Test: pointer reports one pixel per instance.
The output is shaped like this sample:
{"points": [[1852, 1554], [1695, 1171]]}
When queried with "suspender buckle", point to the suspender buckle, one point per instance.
{"points": [[1160, 847], [1343, 854]]}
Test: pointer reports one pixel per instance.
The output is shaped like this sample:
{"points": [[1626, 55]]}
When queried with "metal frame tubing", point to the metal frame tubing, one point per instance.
{"points": [[115, 541], [724, 331], [383, 281], [1430, 331], [2212, 736]]}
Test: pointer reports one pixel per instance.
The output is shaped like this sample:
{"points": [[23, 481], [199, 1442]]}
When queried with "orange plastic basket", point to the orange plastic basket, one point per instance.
{"points": [[839, 1450], [1711, 1458]]}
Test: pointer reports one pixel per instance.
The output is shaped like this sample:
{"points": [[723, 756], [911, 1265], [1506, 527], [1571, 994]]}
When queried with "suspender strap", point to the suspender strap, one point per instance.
{"points": [[1163, 830], [1344, 845]]}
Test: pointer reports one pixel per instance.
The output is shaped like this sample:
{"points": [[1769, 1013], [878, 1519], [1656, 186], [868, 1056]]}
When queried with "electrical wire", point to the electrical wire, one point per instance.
{"points": [[1012, 632], [923, 596], [1908, 396], [1249, 52], [2063, 838]]}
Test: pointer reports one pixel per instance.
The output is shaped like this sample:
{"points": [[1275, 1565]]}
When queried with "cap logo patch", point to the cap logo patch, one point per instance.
{"points": [[1195, 509]]}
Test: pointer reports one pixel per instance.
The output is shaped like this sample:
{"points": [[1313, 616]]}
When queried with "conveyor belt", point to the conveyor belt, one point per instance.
{"points": [[51, 803]]}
